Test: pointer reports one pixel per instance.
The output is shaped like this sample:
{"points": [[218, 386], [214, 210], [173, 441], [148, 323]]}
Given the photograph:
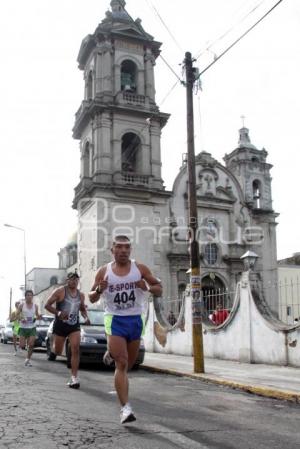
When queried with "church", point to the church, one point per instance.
{"points": [[121, 190]]}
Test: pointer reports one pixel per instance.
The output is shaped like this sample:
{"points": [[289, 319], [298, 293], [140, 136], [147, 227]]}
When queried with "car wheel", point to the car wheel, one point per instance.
{"points": [[50, 355], [5, 341]]}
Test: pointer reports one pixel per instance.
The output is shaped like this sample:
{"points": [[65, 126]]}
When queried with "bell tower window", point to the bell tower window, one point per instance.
{"points": [[131, 148], [128, 76], [256, 186]]}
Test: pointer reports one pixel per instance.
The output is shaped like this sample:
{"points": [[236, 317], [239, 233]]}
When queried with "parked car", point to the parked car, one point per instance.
{"points": [[41, 331], [7, 333], [93, 343]]}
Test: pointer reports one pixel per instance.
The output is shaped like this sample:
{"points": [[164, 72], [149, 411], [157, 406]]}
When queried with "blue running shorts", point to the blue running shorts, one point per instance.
{"points": [[130, 327]]}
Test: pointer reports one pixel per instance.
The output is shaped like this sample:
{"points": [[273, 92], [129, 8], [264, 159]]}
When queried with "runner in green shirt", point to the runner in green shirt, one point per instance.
{"points": [[16, 325]]}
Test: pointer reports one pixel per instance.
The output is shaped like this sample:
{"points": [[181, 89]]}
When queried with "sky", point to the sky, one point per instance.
{"points": [[41, 88]]}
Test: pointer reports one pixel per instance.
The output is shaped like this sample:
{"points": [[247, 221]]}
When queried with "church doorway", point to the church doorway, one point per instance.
{"points": [[214, 292]]}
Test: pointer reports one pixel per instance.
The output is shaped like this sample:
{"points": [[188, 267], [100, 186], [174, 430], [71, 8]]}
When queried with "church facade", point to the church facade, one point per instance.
{"points": [[121, 190]]}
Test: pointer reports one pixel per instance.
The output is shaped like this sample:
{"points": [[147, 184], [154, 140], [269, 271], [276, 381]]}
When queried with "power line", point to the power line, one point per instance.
{"points": [[173, 71], [164, 24], [169, 92], [168, 65], [230, 29], [241, 37]]}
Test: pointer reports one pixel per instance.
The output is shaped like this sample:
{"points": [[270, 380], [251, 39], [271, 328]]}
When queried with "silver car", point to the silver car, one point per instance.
{"points": [[6, 334]]}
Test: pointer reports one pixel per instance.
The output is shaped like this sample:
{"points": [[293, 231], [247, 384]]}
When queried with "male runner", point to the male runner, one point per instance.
{"points": [[16, 325], [69, 301], [122, 284], [28, 314]]}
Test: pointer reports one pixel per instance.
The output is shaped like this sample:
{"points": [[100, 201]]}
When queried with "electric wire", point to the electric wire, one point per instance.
{"points": [[145, 34], [173, 71], [229, 30], [151, 5], [240, 38]]}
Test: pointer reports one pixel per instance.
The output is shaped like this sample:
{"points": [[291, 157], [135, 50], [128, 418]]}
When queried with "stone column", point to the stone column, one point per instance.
{"points": [[149, 75], [140, 82], [245, 320]]}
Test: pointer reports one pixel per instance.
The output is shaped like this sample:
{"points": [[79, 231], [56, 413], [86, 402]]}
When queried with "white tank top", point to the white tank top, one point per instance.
{"points": [[122, 297], [27, 317]]}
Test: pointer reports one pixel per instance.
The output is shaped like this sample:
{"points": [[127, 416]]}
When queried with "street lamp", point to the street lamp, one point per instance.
{"points": [[24, 244], [249, 259]]}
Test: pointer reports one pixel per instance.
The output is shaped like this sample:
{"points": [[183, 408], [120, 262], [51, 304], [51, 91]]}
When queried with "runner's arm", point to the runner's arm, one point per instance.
{"points": [[149, 282], [100, 284], [53, 298], [83, 308], [37, 314]]}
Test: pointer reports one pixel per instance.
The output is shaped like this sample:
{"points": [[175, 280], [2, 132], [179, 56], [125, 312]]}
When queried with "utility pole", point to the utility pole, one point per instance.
{"points": [[195, 279], [10, 300]]}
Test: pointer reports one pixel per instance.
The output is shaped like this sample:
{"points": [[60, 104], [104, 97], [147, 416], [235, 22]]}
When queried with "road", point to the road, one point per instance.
{"points": [[38, 411]]}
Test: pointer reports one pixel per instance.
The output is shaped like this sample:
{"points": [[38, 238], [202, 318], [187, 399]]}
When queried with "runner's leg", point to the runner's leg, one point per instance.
{"points": [[22, 342], [132, 350], [74, 339], [58, 344], [118, 350], [30, 344]]}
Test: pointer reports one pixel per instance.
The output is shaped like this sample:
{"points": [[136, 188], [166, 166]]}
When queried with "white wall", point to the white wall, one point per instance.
{"points": [[251, 334]]}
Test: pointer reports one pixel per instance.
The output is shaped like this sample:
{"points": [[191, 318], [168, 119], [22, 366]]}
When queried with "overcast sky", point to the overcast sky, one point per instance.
{"points": [[41, 88]]}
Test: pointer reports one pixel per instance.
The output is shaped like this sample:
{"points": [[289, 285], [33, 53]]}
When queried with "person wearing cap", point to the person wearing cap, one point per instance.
{"points": [[68, 301], [122, 285]]}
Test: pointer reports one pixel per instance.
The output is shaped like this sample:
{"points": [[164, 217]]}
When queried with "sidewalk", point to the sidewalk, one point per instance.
{"points": [[280, 382]]}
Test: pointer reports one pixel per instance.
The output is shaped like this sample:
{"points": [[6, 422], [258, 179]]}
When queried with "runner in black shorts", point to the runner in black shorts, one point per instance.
{"points": [[69, 301]]}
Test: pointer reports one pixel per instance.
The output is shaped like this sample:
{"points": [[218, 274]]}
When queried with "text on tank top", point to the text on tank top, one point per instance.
{"points": [[122, 296], [27, 320], [71, 305]]}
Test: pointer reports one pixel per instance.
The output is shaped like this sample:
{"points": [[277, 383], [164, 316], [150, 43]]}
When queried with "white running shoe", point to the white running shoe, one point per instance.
{"points": [[27, 362], [107, 359], [126, 414], [74, 382]]}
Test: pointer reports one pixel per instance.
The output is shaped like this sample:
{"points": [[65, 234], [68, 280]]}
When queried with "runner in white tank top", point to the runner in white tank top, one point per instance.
{"points": [[123, 296], [123, 284], [27, 314]]}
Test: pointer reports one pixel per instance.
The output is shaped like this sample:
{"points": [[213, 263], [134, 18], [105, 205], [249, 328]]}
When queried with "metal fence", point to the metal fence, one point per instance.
{"points": [[285, 298], [289, 300], [217, 306]]}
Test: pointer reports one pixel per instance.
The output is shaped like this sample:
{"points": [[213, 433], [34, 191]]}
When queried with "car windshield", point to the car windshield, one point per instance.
{"points": [[96, 317]]}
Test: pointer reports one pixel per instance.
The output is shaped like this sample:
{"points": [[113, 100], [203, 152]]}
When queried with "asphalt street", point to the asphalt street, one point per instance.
{"points": [[38, 410]]}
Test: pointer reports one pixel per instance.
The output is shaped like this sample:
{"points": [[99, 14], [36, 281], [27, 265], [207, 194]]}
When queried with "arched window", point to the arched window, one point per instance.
{"points": [[214, 293], [128, 76], [53, 280], [256, 187], [86, 161], [211, 253], [131, 145], [89, 90]]}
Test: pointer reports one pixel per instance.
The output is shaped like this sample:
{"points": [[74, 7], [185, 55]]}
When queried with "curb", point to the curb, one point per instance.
{"points": [[284, 395]]}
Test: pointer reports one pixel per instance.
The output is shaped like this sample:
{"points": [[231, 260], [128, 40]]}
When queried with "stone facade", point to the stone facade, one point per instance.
{"points": [[121, 190]]}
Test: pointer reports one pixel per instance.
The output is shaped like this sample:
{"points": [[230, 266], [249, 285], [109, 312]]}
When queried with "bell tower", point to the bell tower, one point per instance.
{"points": [[250, 167], [118, 125]]}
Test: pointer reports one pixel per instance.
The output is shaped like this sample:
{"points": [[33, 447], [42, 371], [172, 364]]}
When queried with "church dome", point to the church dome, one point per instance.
{"points": [[72, 240]]}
